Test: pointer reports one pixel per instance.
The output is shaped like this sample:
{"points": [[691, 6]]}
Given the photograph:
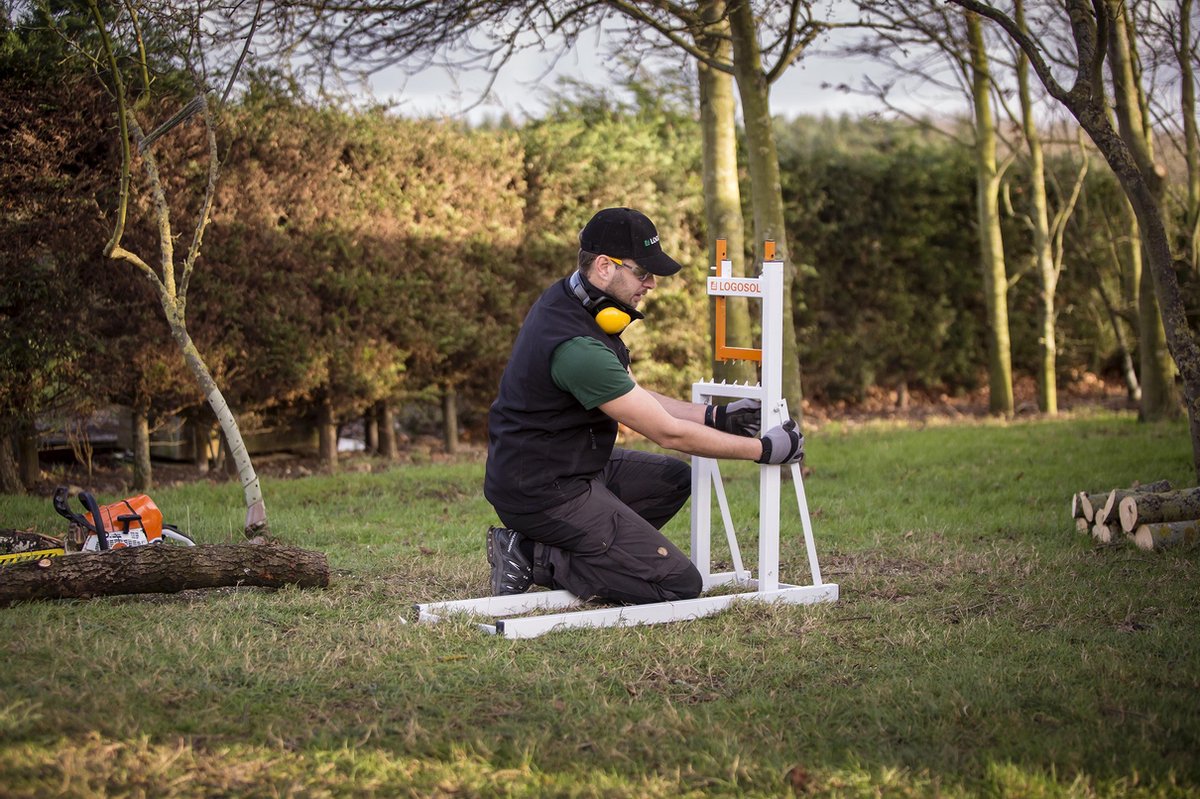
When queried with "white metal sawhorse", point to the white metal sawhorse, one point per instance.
{"points": [[706, 480]]}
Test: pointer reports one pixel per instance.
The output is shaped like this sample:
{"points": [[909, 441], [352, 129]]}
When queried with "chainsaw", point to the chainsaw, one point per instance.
{"points": [[132, 522]]}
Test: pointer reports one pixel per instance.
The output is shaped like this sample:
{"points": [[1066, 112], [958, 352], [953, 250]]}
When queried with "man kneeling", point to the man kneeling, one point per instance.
{"points": [[578, 513]]}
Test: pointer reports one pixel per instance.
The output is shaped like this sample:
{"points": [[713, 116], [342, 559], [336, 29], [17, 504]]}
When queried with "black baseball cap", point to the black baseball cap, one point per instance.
{"points": [[626, 233]]}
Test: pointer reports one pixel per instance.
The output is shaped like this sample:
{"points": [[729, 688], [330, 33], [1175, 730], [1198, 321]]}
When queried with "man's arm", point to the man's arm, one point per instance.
{"points": [[690, 411], [653, 415], [742, 418]]}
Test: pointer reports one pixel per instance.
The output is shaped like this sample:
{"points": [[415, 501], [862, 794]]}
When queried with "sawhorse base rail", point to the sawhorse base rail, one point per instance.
{"points": [[658, 613]]}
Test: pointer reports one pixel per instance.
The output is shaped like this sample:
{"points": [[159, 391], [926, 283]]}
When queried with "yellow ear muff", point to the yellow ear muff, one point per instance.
{"points": [[612, 320]]}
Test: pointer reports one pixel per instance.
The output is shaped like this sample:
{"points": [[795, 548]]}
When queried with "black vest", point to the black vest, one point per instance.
{"points": [[543, 446]]}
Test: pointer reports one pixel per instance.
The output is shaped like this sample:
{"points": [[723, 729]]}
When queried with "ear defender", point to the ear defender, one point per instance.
{"points": [[608, 314], [612, 320]]}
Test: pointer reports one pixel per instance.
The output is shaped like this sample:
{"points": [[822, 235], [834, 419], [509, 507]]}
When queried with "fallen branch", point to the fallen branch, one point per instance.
{"points": [[162, 568]]}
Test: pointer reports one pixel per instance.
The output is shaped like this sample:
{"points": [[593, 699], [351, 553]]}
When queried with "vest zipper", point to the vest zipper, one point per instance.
{"points": [[592, 433]]}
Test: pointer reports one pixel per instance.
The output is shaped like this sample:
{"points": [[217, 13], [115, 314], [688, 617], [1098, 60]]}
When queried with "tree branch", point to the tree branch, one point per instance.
{"points": [[1026, 43]]}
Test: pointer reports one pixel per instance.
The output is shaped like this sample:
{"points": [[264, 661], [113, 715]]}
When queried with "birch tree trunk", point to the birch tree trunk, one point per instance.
{"points": [[1048, 349], [1160, 400], [256, 509], [991, 243], [722, 193]]}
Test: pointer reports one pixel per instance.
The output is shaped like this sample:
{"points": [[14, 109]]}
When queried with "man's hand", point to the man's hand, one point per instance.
{"points": [[782, 444], [742, 418]]}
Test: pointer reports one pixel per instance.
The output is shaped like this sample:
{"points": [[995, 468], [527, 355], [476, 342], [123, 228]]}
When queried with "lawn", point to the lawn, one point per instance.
{"points": [[981, 646]]}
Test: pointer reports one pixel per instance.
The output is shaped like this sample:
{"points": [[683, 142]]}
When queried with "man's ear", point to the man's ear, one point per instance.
{"points": [[603, 269]]}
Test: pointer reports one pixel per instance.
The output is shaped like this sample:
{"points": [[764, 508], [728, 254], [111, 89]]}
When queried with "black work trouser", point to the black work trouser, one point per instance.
{"points": [[606, 544]]}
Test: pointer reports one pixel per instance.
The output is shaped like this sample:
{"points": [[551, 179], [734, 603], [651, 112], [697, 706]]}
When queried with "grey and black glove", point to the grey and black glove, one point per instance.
{"points": [[782, 444], [742, 418]]}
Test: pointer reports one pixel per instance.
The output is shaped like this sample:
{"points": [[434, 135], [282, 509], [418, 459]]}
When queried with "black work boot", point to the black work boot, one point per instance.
{"points": [[512, 571]]}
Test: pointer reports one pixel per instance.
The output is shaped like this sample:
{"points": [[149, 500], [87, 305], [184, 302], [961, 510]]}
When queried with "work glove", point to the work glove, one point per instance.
{"points": [[782, 444], [742, 418]]}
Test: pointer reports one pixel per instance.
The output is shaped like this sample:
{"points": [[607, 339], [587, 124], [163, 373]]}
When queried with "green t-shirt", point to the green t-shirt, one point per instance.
{"points": [[589, 371]]}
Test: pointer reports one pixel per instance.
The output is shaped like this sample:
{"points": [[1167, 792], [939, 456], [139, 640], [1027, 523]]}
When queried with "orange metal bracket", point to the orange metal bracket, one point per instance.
{"points": [[723, 352]]}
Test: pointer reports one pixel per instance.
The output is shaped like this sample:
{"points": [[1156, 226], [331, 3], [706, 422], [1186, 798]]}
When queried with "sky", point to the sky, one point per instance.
{"points": [[522, 87]]}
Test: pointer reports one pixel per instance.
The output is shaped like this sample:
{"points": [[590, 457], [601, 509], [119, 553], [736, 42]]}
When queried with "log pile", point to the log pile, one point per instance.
{"points": [[1152, 516]]}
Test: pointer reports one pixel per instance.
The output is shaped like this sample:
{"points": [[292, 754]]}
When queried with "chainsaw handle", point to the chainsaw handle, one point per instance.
{"points": [[61, 504], [89, 502]]}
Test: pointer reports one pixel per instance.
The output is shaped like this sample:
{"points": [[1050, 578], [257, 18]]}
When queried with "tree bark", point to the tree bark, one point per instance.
{"points": [[143, 475], [1191, 136], [765, 187], [163, 568], [28, 465], [450, 419], [10, 475], [327, 436], [371, 430], [1160, 536], [1160, 400], [1133, 389], [722, 192], [1047, 341], [1166, 506], [387, 431], [991, 243]]}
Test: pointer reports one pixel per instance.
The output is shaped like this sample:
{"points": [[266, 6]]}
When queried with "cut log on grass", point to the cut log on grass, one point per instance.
{"points": [[1081, 525], [1111, 510], [162, 568], [1090, 503], [1168, 506], [1160, 536], [1107, 533]]}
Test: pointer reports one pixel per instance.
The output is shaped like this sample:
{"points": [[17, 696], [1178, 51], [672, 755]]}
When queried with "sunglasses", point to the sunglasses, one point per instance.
{"points": [[639, 272]]}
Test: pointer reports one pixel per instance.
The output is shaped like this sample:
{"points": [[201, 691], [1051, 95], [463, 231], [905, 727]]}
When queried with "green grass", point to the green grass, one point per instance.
{"points": [[981, 647]]}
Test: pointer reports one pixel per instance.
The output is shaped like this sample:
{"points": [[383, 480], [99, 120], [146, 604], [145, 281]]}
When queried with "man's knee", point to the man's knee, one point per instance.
{"points": [[686, 584]]}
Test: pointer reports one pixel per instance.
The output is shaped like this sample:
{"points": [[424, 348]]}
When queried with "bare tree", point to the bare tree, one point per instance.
{"points": [[172, 277], [943, 48], [1093, 26], [1047, 233]]}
